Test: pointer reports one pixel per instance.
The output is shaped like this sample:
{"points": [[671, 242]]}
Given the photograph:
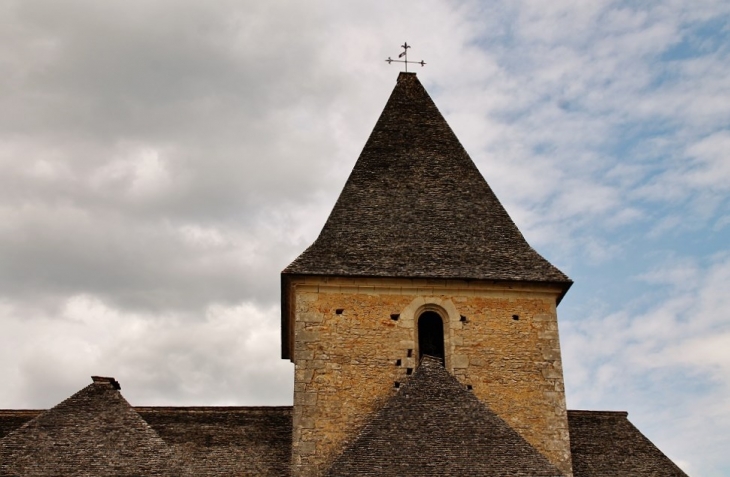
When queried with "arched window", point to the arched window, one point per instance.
{"points": [[431, 335]]}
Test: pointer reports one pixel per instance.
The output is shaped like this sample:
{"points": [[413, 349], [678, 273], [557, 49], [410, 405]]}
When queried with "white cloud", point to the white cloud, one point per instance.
{"points": [[711, 165], [141, 175], [226, 356], [679, 344]]}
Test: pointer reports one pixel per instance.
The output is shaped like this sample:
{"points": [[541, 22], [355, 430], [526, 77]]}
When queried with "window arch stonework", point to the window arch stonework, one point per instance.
{"points": [[445, 309]]}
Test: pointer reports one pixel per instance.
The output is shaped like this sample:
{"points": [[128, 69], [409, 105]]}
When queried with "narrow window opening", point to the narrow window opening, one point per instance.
{"points": [[431, 336], [396, 385], [339, 311], [395, 316], [409, 371], [463, 318], [397, 362], [515, 317], [410, 353], [469, 387]]}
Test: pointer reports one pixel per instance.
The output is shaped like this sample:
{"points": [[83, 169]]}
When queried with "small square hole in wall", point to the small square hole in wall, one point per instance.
{"points": [[469, 387], [396, 385], [515, 317], [339, 311], [410, 353], [395, 316], [397, 362], [409, 371], [462, 319]]}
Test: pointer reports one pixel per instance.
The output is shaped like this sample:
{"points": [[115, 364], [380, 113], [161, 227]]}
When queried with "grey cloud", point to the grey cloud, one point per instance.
{"points": [[207, 91]]}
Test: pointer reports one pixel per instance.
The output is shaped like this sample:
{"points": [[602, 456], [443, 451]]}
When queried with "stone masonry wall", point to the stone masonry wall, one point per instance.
{"points": [[350, 351]]}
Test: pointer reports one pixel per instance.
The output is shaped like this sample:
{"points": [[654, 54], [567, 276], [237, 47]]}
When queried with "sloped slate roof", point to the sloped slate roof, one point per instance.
{"points": [[415, 205], [94, 432], [606, 444], [433, 426], [226, 441], [205, 441], [11, 419], [247, 441]]}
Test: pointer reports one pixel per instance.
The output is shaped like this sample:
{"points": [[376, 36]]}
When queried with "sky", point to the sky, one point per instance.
{"points": [[162, 161]]}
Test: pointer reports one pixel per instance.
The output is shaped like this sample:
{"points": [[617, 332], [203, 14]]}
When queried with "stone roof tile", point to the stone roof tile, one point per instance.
{"points": [[94, 432], [226, 441], [11, 419], [434, 427], [415, 205], [606, 444], [246, 441]]}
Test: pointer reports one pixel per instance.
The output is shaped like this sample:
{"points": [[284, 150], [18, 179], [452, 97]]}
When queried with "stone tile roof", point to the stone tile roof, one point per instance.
{"points": [[209, 441], [226, 441], [606, 444], [415, 205], [433, 426], [444, 420], [94, 432], [11, 419]]}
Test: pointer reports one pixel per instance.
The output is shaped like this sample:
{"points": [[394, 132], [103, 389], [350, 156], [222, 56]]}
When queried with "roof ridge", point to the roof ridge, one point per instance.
{"points": [[587, 412]]}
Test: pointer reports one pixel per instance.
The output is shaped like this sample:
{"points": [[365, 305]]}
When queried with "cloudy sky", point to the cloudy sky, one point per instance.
{"points": [[162, 161]]}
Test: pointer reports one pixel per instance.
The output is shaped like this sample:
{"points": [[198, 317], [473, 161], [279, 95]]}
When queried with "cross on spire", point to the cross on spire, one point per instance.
{"points": [[404, 55]]}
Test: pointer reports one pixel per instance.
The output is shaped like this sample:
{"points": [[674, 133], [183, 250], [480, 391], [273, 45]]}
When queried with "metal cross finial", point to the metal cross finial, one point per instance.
{"points": [[405, 61]]}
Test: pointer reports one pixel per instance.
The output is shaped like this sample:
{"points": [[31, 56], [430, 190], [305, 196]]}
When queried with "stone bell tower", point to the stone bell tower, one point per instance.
{"points": [[418, 257]]}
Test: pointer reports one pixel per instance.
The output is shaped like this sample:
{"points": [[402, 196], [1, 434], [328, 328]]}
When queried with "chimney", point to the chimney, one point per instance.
{"points": [[105, 380]]}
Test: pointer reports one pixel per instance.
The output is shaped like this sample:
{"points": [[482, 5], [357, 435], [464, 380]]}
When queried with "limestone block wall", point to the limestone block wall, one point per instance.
{"points": [[355, 340]]}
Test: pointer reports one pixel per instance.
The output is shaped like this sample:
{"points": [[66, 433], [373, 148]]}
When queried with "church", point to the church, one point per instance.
{"points": [[424, 333]]}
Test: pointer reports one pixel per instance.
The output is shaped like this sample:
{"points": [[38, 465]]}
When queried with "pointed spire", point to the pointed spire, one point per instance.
{"points": [[415, 205]]}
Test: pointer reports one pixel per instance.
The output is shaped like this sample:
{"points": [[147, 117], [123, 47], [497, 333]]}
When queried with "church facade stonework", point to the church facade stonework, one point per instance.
{"points": [[418, 235], [354, 339]]}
